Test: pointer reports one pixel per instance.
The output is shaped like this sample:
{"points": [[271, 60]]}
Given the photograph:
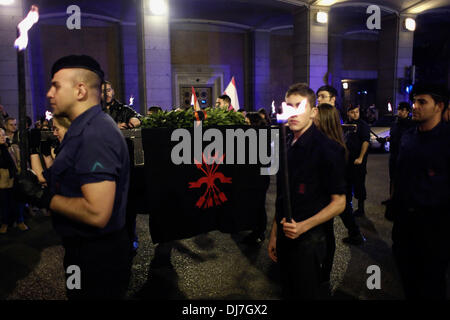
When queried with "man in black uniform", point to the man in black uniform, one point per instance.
{"points": [[123, 115], [357, 144], [316, 177], [127, 118], [87, 183], [402, 124], [420, 234]]}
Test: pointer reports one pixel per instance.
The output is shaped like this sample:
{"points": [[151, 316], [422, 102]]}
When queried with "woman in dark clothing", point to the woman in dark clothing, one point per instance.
{"points": [[329, 122], [7, 173]]}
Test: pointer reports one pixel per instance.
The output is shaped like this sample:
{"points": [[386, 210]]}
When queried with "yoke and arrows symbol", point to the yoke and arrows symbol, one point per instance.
{"points": [[212, 196]]}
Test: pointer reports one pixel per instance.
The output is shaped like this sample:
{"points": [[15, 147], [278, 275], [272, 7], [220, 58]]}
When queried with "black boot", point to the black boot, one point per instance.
{"points": [[360, 212], [356, 239]]}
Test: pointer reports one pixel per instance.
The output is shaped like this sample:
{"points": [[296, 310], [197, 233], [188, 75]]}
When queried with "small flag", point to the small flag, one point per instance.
{"points": [[232, 93], [194, 101]]}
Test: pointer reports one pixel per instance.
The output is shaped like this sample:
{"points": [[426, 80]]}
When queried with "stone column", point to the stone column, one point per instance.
{"points": [[310, 47], [404, 56], [156, 59], [335, 67], [261, 57], [387, 63], [10, 16], [130, 66]]}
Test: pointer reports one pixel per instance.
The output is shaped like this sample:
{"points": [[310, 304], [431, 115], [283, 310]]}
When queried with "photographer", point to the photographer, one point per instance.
{"points": [[43, 145]]}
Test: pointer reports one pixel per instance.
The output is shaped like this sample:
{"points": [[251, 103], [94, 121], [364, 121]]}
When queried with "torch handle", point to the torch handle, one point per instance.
{"points": [[285, 174], [23, 139]]}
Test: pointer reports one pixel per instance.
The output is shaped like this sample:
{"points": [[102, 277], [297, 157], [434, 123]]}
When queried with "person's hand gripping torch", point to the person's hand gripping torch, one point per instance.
{"points": [[21, 44], [282, 119]]}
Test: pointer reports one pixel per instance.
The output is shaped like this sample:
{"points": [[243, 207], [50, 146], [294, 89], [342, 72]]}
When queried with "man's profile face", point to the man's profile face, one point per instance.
{"points": [[303, 120], [353, 114], [403, 113], [220, 103], [325, 97], [63, 92], [11, 125], [2, 136], [424, 108], [109, 92]]}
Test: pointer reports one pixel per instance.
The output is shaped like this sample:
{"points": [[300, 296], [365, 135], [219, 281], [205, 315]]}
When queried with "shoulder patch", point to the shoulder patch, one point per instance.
{"points": [[96, 165]]}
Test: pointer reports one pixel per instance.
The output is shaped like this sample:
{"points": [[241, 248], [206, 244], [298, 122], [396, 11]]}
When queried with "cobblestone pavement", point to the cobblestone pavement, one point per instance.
{"points": [[209, 266]]}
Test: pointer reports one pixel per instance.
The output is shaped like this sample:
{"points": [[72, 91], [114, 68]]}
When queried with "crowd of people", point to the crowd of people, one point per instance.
{"points": [[85, 178]]}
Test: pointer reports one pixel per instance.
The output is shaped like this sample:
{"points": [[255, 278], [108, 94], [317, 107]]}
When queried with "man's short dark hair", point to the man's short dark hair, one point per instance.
{"points": [[225, 98], [9, 118], [302, 89], [78, 61], [404, 106], [438, 92], [331, 90], [351, 107], [154, 109]]}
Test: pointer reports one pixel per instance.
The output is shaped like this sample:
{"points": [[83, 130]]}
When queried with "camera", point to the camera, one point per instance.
{"points": [[41, 141]]}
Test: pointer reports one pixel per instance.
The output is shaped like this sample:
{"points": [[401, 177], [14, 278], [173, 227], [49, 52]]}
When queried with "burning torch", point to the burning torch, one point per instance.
{"points": [[287, 112], [21, 44]]}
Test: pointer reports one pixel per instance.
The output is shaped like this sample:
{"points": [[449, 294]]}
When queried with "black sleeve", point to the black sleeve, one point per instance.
{"points": [[130, 113], [279, 213], [364, 132]]}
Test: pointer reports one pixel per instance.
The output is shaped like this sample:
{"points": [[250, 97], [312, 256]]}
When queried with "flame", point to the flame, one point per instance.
{"points": [[389, 107], [25, 25], [48, 115], [131, 100], [288, 111]]}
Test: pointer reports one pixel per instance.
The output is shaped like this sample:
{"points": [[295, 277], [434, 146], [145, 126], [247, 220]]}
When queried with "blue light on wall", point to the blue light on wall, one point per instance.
{"points": [[408, 88]]}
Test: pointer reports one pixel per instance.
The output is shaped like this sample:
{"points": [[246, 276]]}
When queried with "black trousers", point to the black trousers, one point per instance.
{"points": [[421, 249], [261, 223], [301, 263], [330, 250], [104, 262], [356, 180]]}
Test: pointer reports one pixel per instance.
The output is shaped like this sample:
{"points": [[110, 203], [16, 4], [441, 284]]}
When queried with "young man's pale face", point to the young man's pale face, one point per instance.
{"points": [[353, 114], [300, 122], [325, 97], [11, 126], [403, 113], [424, 108]]}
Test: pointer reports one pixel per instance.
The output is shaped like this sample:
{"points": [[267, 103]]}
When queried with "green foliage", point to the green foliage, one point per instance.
{"points": [[185, 119]]}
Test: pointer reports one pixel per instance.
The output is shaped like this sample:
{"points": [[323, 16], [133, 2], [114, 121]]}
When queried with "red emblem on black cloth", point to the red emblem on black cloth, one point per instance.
{"points": [[212, 196], [301, 188]]}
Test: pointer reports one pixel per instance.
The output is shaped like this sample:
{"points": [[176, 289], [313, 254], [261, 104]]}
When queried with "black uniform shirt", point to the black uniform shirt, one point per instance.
{"points": [[316, 171], [93, 150], [423, 169], [396, 133], [354, 140], [120, 112]]}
